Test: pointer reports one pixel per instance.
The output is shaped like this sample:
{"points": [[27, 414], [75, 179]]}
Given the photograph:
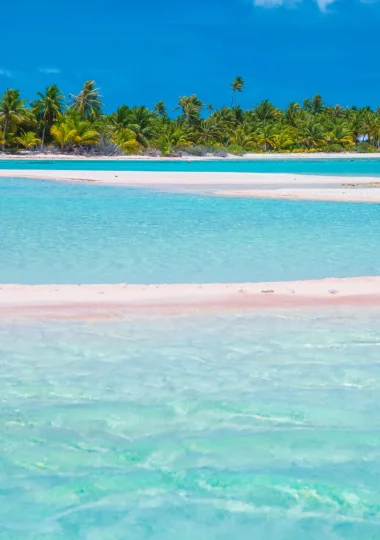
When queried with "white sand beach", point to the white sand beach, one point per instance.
{"points": [[29, 156], [256, 185], [76, 301]]}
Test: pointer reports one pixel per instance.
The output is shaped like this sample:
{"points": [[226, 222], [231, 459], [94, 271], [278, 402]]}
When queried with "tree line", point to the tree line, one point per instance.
{"points": [[80, 125]]}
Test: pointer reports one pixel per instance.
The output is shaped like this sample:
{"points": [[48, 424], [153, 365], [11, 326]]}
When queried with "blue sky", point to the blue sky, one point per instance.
{"points": [[142, 51]]}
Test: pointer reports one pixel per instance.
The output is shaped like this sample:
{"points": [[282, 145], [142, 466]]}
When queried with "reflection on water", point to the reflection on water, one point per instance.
{"points": [[205, 428]]}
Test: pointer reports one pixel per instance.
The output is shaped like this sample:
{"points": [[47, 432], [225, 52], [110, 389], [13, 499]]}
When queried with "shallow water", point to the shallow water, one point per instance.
{"points": [[360, 167], [65, 233], [238, 426]]}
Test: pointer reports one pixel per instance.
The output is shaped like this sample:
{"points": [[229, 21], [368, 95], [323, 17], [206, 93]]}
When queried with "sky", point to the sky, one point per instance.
{"points": [[142, 51]]}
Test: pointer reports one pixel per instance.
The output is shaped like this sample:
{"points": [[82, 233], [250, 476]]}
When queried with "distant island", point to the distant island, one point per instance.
{"points": [[78, 125]]}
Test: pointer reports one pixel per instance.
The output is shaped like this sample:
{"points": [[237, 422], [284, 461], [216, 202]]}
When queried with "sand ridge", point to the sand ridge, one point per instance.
{"points": [[87, 299], [226, 184]]}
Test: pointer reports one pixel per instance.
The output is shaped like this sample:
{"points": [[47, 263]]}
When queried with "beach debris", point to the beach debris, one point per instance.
{"points": [[241, 291], [267, 291], [333, 291]]}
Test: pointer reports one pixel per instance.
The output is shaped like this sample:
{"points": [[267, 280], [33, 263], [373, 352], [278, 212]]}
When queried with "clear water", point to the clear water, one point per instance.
{"points": [[360, 167], [61, 233], [209, 428]]}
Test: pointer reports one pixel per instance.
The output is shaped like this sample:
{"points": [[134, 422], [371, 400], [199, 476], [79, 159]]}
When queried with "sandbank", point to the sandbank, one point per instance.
{"points": [[103, 301], [227, 184]]}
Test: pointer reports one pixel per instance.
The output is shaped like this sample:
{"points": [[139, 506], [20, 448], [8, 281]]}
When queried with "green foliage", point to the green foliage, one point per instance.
{"points": [[12, 113], [80, 125], [364, 147], [237, 85], [331, 148], [74, 131], [87, 102], [48, 108], [27, 140], [235, 149]]}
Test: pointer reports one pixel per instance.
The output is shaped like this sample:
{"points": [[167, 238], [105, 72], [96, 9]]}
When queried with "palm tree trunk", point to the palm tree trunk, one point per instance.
{"points": [[4, 133], [43, 137]]}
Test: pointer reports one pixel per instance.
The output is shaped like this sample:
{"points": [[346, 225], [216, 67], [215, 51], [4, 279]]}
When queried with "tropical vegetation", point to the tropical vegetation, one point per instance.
{"points": [[81, 125]]}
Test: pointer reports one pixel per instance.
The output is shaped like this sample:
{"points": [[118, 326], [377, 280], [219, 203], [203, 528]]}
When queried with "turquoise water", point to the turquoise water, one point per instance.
{"points": [[61, 233], [360, 167], [224, 427], [209, 428]]}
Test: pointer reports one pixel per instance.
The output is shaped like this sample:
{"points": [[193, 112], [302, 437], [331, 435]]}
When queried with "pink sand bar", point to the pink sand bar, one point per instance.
{"points": [[227, 184], [77, 301]]}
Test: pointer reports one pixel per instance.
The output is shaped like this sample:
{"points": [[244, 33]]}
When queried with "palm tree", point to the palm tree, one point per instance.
{"points": [[120, 118], [140, 121], [63, 134], [191, 108], [208, 131], [171, 136], [88, 102], [160, 109], [341, 134], [266, 111], [312, 134], [314, 105], [372, 128], [74, 131], [27, 140], [12, 111], [225, 116], [292, 113], [126, 139], [265, 134], [48, 108], [237, 85], [85, 134], [334, 112], [243, 137], [284, 139]]}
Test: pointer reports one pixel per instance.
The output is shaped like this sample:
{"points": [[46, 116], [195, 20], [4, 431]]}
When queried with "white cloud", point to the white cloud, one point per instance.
{"points": [[322, 4], [268, 3], [5, 73], [49, 70]]}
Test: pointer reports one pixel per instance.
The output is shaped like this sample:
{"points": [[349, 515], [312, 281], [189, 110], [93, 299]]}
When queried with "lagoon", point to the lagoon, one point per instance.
{"points": [[335, 166], [206, 427], [64, 233]]}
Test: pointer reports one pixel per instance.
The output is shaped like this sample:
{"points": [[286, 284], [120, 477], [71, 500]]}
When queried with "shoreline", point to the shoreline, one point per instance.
{"points": [[249, 156], [353, 195], [365, 189], [108, 301]]}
